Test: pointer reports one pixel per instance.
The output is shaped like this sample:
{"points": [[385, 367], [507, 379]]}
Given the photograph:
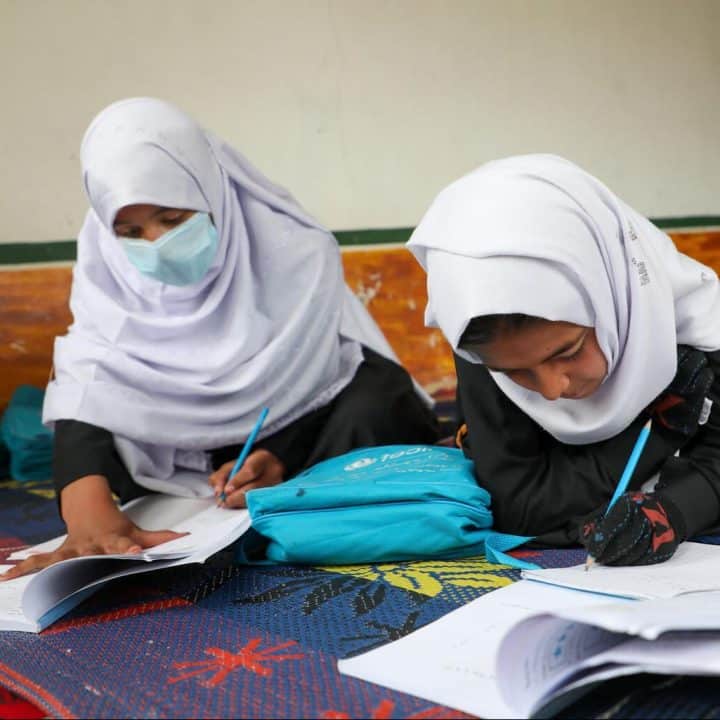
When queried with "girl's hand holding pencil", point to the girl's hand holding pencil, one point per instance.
{"points": [[639, 529], [633, 528], [260, 469], [253, 470]]}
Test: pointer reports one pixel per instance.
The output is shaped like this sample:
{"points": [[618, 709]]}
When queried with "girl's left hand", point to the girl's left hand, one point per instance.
{"points": [[261, 469], [681, 405]]}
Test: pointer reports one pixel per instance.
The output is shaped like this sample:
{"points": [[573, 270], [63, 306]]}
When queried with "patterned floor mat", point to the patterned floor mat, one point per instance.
{"points": [[223, 641]]}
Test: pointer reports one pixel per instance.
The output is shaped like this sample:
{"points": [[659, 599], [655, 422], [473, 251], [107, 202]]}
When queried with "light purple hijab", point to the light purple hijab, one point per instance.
{"points": [[175, 371]]}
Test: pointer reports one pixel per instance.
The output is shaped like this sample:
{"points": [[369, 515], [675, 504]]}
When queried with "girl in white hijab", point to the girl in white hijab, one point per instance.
{"points": [[203, 293], [573, 320]]}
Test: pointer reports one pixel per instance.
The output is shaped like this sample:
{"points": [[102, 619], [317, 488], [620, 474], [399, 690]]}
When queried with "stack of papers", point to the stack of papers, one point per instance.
{"points": [[535, 646]]}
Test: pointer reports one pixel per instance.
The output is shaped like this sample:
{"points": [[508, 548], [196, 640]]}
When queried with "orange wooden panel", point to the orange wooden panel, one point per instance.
{"points": [[391, 284], [33, 310], [703, 246]]}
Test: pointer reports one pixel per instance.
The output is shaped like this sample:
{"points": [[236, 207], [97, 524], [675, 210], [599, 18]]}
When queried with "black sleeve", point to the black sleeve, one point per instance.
{"points": [[81, 449], [379, 406], [538, 485], [292, 444], [692, 481]]}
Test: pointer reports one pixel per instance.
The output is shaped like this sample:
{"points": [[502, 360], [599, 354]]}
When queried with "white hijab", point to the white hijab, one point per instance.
{"points": [[537, 235], [175, 371]]}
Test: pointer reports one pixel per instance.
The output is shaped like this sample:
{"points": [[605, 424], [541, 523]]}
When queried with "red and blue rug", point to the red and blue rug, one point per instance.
{"points": [[217, 640]]}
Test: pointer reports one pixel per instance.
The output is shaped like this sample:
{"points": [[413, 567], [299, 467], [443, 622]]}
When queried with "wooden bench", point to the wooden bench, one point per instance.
{"points": [[34, 309]]}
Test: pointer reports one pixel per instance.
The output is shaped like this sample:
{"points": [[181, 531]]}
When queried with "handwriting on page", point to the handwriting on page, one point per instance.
{"points": [[548, 651]]}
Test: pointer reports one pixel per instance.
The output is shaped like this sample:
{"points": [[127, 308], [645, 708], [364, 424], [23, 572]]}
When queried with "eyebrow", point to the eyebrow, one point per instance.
{"points": [[558, 351], [153, 214]]}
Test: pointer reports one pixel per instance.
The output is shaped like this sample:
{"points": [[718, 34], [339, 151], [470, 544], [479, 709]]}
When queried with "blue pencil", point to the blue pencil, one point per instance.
{"points": [[627, 472], [242, 457]]}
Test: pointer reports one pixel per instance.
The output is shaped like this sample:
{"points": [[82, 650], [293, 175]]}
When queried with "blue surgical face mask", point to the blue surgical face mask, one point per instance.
{"points": [[181, 256]]}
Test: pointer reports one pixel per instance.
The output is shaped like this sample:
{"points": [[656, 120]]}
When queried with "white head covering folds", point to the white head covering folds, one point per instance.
{"points": [[537, 235], [175, 371]]}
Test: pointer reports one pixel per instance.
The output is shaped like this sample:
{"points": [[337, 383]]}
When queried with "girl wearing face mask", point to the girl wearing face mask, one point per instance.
{"points": [[203, 293], [574, 320]]}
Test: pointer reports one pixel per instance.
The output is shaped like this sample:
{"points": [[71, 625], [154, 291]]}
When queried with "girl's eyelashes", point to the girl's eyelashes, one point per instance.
{"points": [[173, 218], [575, 354], [150, 225], [133, 232]]}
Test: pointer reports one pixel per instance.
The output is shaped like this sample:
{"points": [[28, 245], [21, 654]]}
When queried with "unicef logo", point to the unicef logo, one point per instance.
{"points": [[363, 462]]}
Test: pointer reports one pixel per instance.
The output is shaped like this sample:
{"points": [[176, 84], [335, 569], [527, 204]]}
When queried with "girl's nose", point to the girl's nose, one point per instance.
{"points": [[153, 231], [551, 384]]}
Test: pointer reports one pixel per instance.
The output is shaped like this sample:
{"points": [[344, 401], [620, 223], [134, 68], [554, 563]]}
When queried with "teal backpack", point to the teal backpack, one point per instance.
{"points": [[381, 504], [28, 442]]}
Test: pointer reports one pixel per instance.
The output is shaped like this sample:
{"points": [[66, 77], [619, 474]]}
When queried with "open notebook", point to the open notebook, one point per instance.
{"points": [[533, 647], [33, 602]]}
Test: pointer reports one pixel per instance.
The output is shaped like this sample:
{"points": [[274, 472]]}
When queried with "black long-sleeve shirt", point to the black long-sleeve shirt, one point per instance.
{"points": [[82, 449], [542, 487], [378, 407]]}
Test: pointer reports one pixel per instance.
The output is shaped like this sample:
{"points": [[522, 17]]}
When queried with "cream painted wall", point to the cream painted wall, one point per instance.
{"points": [[365, 109]]}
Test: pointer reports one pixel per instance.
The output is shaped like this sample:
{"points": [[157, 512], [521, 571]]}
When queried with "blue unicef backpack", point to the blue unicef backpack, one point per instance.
{"points": [[392, 503]]}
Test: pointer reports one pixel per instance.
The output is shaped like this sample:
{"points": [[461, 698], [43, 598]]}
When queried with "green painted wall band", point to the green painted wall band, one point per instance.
{"points": [[18, 253], [373, 237], [690, 222], [64, 250]]}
